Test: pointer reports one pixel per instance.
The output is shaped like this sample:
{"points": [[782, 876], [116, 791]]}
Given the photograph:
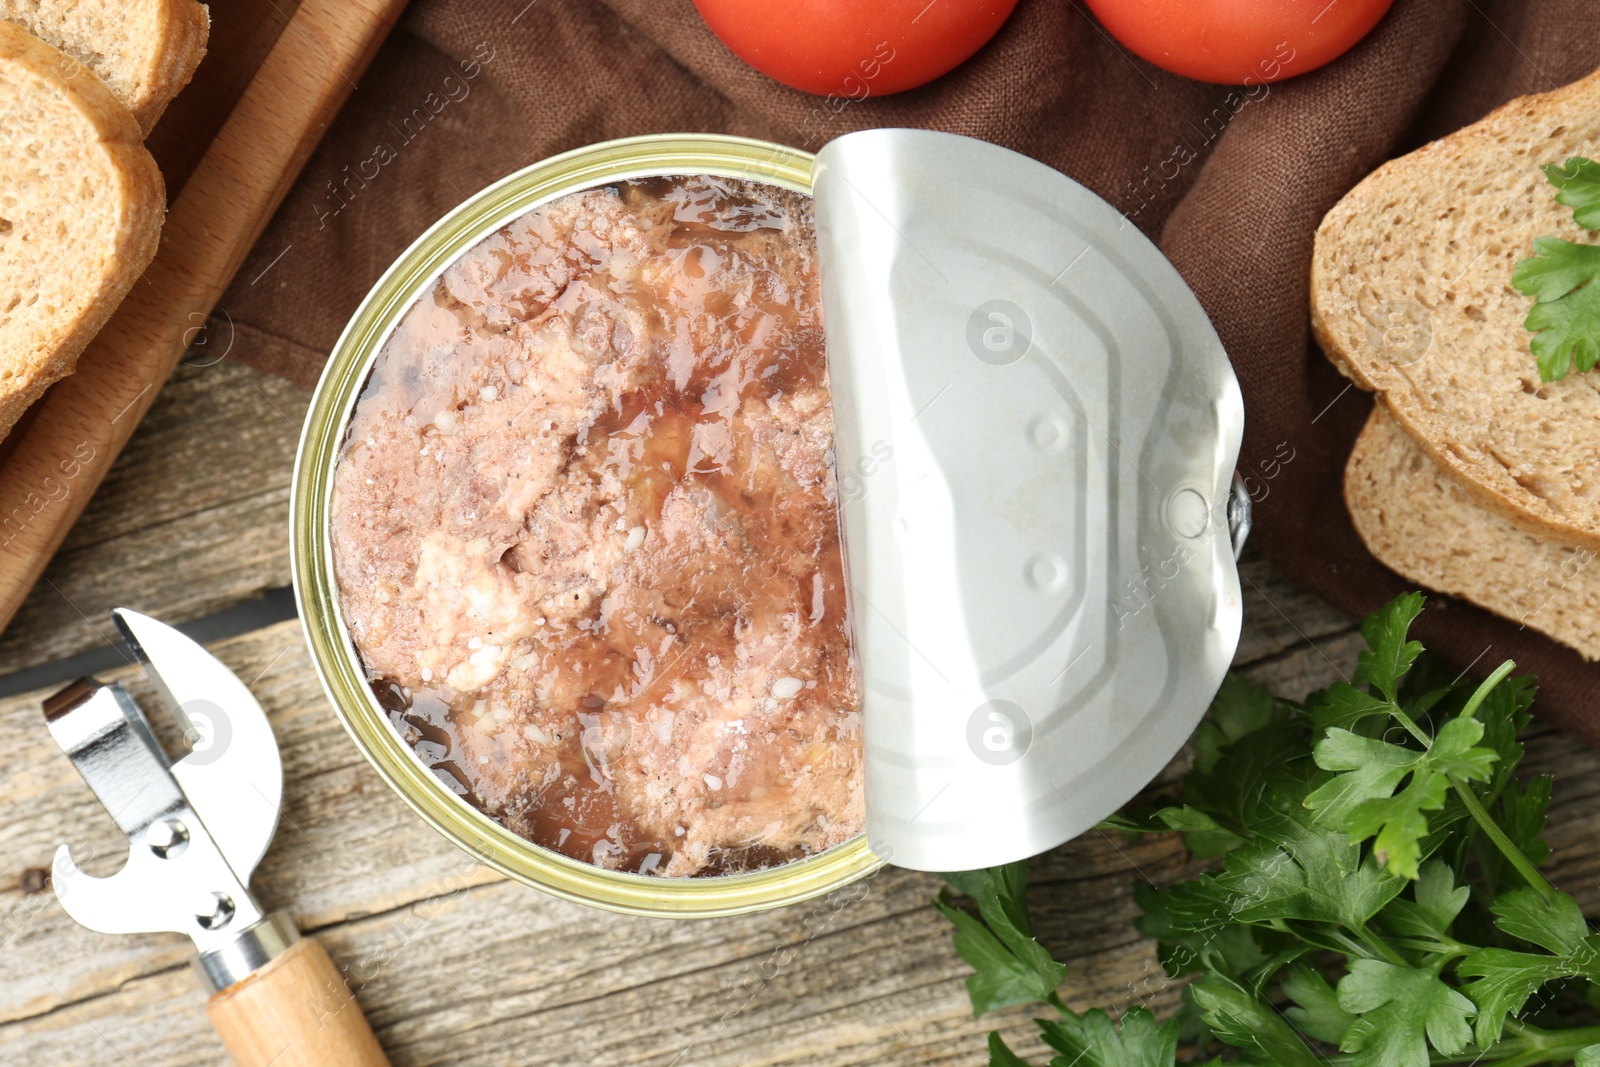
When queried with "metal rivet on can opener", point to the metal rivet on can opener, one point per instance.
{"points": [[167, 838], [215, 911]]}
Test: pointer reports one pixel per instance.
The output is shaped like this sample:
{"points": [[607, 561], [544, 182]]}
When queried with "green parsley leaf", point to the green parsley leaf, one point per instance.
{"points": [[1009, 966], [1090, 1040], [1235, 951], [1389, 655], [1523, 809], [1429, 680], [1556, 925], [1567, 330], [1001, 894], [1556, 269], [1287, 794], [1242, 744], [1506, 980], [1246, 1021], [1187, 819], [1000, 1054], [1504, 712], [1134, 824], [1232, 949], [1565, 318], [1579, 181], [1344, 705], [1373, 769], [1316, 1010], [1402, 1011], [1455, 752], [1438, 901], [1203, 836], [1588, 1056], [1238, 710], [1362, 800], [1293, 871]]}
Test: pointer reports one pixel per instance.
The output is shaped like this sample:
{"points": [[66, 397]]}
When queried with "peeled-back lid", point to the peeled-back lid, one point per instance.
{"points": [[1036, 432]]}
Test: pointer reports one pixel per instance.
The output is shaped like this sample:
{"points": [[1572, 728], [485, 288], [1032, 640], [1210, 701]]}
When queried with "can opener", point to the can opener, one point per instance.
{"points": [[196, 829]]}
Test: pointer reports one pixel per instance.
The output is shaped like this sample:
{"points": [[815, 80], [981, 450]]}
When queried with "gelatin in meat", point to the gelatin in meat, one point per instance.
{"points": [[586, 537]]}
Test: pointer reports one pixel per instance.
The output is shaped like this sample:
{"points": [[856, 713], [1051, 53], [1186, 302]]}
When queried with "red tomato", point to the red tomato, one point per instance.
{"points": [[1238, 42], [854, 48]]}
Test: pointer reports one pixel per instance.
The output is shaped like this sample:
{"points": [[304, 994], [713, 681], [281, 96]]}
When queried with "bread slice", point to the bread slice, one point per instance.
{"points": [[1421, 523], [1411, 297], [145, 50], [81, 204]]}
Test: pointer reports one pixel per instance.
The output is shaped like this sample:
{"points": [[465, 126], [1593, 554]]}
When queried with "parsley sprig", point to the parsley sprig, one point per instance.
{"points": [[1565, 319], [1377, 900]]}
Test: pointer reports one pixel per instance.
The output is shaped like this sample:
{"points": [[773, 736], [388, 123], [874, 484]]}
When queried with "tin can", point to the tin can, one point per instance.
{"points": [[333, 651]]}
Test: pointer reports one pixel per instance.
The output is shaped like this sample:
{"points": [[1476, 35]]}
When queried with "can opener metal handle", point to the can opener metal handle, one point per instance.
{"points": [[196, 829]]}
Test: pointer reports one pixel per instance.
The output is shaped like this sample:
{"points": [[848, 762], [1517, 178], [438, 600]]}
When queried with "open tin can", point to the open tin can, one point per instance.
{"points": [[1041, 570]]}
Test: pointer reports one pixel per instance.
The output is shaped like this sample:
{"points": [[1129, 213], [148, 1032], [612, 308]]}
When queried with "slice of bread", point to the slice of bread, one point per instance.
{"points": [[1411, 297], [1421, 523], [81, 205], [145, 50]]}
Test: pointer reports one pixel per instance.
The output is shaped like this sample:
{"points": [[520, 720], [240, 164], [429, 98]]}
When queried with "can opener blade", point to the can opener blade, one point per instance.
{"points": [[196, 829]]}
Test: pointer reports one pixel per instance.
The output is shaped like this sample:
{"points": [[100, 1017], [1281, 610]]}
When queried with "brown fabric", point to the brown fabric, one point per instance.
{"points": [[1232, 187]]}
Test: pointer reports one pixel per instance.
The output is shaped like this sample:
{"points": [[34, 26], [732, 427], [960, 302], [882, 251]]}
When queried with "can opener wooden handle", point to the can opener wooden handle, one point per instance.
{"points": [[196, 829]]}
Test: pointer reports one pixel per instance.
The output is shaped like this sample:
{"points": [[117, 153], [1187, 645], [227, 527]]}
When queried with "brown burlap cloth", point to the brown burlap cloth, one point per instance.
{"points": [[1231, 187]]}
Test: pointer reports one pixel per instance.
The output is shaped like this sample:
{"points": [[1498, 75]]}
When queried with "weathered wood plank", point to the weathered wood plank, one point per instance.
{"points": [[192, 519], [218, 432], [178, 570], [483, 976], [1279, 614], [1574, 826], [1309, 666]]}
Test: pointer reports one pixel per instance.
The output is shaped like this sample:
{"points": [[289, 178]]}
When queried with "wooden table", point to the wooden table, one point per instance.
{"points": [[454, 964]]}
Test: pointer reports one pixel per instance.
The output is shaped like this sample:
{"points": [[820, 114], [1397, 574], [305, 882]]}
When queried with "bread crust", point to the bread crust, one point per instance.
{"points": [[1421, 523], [1411, 299], [121, 227], [161, 44], [187, 28]]}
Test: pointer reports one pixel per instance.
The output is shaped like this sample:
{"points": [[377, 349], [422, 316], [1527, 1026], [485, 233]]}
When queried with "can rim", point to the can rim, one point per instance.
{"points": [[333, 652]]}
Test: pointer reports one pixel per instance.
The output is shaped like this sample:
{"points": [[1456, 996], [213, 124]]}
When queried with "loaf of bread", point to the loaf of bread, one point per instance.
{"points": [[1411, 297], [1422, 524], [145, 50], [81, 206]]}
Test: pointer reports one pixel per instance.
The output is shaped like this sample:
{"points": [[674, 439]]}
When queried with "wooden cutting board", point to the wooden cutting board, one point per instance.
{"points": [[229, 147]]}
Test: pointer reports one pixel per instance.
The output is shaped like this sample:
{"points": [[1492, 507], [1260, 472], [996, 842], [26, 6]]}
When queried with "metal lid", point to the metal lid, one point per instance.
{"points": [[1037, 427]]}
